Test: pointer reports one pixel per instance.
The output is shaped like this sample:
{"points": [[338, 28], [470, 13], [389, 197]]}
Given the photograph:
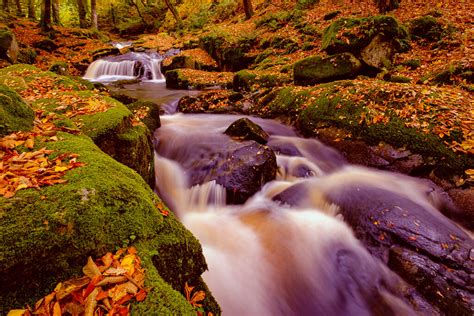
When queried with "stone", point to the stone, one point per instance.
{"points": [[60, 68], [353, 34], [426, 27], [15, 114], [242, 168], [9, 49], [316, 69], [245, 129], [103, 52], [379, 52]]}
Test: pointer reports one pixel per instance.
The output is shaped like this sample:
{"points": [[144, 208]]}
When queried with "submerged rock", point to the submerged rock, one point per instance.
{"points": [[245, 129]]}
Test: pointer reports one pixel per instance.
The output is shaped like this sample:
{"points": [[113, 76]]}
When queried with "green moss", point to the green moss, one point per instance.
{"points": [[60, 68], [243, 80], [15, 115], [152, 119], [16, 83], [114, 120], [351, 34], [412, 63], [47, 234], [426, 27]]}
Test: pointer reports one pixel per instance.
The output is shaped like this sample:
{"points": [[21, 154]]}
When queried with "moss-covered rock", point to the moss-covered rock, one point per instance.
{"points": [[47, 234], [316, 69], [352, 35], [60, 68], [9, 49], [197, 79], [230, 55], [192, 59], [15, 114], [149, 113], [247, 79], [27, 55], [426, 27], [451, 74], [46, 44]]}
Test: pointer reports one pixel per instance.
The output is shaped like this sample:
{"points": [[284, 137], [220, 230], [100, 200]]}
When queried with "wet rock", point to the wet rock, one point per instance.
{"points": [[149, 113], [123, 98], [112, 51], [464, 201], [224, 101], [433, 250], [316, 69], [9, 49], [241, 167], [245, 129]]}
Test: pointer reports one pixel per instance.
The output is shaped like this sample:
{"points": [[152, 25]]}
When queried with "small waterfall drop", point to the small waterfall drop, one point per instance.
{"points": [[143, 66]]}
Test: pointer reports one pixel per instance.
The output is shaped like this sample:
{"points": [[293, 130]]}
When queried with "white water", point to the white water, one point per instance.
{"points": [[269, 258], [146, 67]]}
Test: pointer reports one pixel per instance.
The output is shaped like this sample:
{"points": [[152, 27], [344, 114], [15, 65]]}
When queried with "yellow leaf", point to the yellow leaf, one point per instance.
{"points": [[469, 172], [30, 143], [56, 309], [91, 303], [59, 168], [16, 312], [128, 263]]}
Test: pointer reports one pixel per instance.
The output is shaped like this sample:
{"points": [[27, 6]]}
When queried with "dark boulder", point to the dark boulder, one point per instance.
{"points": [[424, 247], [426, 27], [316, 69], [8, 46], [61, 68], [27, 55], [245, 129]]}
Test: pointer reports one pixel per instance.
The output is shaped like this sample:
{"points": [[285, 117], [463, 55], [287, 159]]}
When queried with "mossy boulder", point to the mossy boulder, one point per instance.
{"points": [[192, 59], [354, 34], [451, 74], [316, 69], [231, 55], [197, 79], [245, 129], [149, 113], [48, 234], [60, 68], [9, 49], [15, 114], [426, 27], [27, 55], [246, 80]]}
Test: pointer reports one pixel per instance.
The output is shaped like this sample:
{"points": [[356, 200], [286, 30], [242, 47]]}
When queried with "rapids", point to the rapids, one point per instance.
{"points": [[269, 257]]}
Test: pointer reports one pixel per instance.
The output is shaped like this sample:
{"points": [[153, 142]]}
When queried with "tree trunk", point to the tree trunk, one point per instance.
{"points": [[19, 11], [175, 13], [45, 23], [81, 9], [248, 9], [56, 19], [31, 10], [6, 6], [94, 14]]}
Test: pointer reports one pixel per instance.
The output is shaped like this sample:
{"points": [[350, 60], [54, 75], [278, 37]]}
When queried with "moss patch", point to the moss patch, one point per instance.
{"points": [[15, 115]]}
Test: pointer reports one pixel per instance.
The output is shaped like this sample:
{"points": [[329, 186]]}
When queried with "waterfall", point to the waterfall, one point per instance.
{"points": [[143, 66], [286, 251]]}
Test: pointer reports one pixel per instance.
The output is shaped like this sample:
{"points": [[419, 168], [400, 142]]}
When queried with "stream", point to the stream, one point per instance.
{"points": [[300, 245]]}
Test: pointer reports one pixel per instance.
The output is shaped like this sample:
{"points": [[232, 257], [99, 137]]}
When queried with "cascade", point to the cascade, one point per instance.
{"points": [[287, 250], [143, 66]]}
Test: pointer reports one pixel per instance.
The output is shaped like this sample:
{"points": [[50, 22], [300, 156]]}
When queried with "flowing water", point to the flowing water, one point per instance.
{"points": [[144, 66], [269, 257], [287, 250]]}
